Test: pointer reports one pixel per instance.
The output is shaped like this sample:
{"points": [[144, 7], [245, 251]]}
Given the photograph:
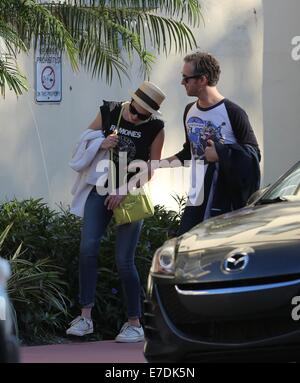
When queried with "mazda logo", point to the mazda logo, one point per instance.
{"points": [[236, 262]]}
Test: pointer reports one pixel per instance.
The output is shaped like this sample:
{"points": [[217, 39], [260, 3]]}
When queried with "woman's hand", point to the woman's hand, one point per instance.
{"points": [[110, 142], [113, 201]]}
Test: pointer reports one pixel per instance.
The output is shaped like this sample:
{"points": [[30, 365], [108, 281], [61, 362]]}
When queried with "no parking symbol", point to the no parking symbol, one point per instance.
{"points": [[48, 77]]}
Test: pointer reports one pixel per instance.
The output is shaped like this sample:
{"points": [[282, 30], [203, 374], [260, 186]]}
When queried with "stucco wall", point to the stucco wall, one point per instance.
{"points": [[36, 140], [281, 87]]}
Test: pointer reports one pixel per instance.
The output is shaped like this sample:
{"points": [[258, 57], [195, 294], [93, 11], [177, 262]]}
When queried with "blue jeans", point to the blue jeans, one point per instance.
{"points": [[95, 221]]}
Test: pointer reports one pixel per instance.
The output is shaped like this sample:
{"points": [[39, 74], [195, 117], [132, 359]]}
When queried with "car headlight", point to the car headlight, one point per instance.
{"points": [[164, 259]]}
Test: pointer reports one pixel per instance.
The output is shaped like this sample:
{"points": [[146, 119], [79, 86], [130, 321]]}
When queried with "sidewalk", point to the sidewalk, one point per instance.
{"points": [[95, 352]]}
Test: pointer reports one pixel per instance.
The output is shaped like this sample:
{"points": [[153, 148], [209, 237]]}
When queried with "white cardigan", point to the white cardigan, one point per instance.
{"points": [[85, 159]]}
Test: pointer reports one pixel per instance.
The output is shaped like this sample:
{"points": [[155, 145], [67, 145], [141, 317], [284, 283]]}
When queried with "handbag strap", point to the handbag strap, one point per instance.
{"points": [[111, 156], [120, 117]]}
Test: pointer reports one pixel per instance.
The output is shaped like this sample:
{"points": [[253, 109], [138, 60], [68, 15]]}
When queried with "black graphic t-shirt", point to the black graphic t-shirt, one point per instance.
{"points": [[134, 140]]}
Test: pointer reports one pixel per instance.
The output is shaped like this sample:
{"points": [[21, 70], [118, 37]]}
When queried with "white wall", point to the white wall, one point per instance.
{"points": [[233, 32], [36, 140], [281, 87]]}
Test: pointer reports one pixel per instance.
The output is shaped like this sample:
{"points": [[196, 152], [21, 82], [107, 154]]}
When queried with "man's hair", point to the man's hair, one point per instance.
{"points": [[207, 64]]}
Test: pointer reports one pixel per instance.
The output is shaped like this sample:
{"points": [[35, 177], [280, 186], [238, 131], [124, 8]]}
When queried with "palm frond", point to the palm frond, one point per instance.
{"points": [[171, 8], [11, 40], [132, 26], [11, 76], [103, 36], [33, 21]]}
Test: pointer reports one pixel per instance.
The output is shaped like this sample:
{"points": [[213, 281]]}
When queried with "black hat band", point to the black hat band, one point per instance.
{"points": [[143, 96]]}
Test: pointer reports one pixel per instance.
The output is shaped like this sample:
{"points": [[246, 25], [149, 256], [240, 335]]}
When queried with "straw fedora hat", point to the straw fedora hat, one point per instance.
{"points": [[150, 97]]}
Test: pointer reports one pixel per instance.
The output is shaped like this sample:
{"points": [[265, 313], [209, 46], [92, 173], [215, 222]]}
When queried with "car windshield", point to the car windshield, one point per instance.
{"points": [[286, 189]]}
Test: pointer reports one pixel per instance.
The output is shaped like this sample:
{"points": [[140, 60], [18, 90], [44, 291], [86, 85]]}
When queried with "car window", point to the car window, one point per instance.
{"points": [[288, 188]]}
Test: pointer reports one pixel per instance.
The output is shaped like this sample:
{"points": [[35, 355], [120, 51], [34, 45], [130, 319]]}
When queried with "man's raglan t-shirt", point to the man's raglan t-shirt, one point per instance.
{"points": [[225, 123], [208, 124], [134, 140]]}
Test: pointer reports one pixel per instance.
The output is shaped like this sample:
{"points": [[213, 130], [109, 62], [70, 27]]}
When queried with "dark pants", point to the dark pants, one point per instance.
{"points": [[192, 216], [95, 222], [195, 214]]}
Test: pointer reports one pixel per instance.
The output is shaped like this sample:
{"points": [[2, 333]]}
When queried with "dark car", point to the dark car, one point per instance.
{"points": [[9, 352], [229, 289]]}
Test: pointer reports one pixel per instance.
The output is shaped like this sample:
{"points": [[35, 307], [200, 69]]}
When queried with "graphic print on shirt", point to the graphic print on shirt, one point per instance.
{"points": [[125, 145], [199, 132]]}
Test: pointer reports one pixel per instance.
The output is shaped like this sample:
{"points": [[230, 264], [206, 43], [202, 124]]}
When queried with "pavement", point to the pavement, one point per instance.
{"points": [[90, 352]]}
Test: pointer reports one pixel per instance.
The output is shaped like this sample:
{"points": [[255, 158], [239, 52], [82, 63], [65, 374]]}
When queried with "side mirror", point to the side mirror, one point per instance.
{"points": [[255, 196]]}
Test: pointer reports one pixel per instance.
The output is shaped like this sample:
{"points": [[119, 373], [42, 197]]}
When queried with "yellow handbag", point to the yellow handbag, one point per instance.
{"points": [[137, 205]]}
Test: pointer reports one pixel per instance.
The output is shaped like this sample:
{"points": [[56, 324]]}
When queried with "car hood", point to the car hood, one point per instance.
{"points": [[269, 230]]}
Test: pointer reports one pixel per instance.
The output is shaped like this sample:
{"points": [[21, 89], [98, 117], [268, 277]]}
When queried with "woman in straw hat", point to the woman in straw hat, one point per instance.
{"points": [[140, 136]]}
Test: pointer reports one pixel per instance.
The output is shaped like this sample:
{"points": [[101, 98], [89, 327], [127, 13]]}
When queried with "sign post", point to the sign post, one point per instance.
{"points": [[48, 78]]}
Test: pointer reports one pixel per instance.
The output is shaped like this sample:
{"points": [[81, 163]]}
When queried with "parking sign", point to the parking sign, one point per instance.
{"points": [[48, 75]]}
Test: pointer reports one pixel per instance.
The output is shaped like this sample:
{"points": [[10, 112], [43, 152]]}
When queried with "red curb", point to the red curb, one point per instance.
{"points": [[95, 352]]}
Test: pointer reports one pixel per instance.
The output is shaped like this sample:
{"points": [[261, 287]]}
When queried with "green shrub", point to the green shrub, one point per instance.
{"points": [[49, 265], [36, 291]]}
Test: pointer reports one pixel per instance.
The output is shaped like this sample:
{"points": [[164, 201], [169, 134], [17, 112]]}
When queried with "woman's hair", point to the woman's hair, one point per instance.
{"points": [[207, 64]]}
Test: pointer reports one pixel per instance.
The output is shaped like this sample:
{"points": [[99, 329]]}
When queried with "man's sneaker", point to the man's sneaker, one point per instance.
{"points": [[80, 326], [130, 334]]}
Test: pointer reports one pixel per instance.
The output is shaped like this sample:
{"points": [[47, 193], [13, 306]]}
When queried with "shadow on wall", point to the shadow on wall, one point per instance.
{"points": [[238, 45], [240, 53], [22, 170], [242, 62], [281, 87]]}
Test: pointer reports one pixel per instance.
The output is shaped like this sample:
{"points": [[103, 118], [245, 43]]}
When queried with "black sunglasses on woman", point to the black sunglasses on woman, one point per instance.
{"points": [[141, 116]]}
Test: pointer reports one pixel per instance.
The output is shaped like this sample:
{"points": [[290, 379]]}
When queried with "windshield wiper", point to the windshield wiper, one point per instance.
{"points": [[270, 201]]}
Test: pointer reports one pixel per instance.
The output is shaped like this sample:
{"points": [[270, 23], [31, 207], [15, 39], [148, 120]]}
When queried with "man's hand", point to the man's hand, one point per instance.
{"points": [[113, 201], [110, 142], [210, 153]]}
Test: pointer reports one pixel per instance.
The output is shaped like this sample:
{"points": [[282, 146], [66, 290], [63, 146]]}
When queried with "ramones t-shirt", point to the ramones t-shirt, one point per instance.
{"points": [[134, 140]]}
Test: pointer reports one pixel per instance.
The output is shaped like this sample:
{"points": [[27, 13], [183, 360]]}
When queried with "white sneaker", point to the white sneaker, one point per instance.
{"points": [[130, 334], [80, 326]]}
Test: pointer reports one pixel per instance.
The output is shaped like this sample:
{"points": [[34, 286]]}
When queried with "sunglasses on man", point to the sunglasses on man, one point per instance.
{"points": [[187, 78], [141, 116]]}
